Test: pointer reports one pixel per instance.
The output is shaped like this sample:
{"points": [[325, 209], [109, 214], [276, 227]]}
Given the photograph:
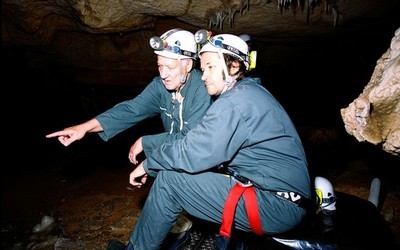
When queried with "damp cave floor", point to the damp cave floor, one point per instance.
{"points": [[98, 205]]}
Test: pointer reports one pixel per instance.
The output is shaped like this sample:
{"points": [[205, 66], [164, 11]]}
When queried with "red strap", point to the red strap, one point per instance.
{"points": [[251, 209], [229, 210]]}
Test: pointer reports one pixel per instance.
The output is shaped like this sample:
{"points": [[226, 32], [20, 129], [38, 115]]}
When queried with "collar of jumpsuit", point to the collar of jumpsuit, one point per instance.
{"points": [[177, 97]]}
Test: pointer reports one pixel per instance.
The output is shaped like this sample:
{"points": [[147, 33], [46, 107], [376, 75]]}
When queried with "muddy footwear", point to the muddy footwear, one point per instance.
{"points": [[179, 235], [115, 245], [182, 240], [222, 243], [182, 224]]}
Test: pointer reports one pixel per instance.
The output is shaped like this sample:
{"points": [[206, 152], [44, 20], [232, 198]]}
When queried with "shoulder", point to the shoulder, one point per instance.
{"points": [[195, 82], [248, 91], [247, 86], [196, 74], [156, 82], [250, 81], [155, 88]]}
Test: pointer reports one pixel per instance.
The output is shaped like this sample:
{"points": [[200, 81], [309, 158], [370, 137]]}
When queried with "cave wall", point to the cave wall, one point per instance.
{"points": [[315, 58]]}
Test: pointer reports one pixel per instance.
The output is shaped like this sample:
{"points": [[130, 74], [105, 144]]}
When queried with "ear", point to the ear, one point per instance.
{"points": [[188, 64]]}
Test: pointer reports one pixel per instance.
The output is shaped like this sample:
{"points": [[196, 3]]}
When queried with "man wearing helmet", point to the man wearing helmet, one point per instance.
{"points": [[245, 144], [254, 71], [178, 95]]}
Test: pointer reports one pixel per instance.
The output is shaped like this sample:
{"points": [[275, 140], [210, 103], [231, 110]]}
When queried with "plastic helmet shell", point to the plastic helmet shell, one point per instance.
{"points": [[177, 44], [228, 44], [325, 193]]}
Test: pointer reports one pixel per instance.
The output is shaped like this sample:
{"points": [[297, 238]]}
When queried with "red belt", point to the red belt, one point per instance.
{"points": [[251, 210]]}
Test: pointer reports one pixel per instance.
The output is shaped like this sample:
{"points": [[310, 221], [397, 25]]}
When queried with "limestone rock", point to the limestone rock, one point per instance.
{"points": [[375, 115]]}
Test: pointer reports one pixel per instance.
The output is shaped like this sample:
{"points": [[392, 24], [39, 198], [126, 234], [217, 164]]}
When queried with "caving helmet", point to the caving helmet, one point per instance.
{"points": [[252, 51], [223, 43], [175, 44], [326, 198]]}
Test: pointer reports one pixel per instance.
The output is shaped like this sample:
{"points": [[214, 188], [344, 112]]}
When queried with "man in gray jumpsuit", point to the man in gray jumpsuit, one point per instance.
{"points": [[252, 140], [178, 95]]}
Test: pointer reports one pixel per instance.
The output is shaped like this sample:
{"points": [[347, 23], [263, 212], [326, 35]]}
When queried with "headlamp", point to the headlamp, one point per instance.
{"points": [[159, 44], [201, 36], [156, 43]]}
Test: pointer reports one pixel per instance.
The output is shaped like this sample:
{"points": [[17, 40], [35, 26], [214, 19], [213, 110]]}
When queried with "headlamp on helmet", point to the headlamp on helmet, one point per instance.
{"points": [[175, 44], [223, 43]]}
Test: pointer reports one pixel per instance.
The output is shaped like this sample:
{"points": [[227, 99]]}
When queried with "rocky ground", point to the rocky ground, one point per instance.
{"points": [[90, 199]]}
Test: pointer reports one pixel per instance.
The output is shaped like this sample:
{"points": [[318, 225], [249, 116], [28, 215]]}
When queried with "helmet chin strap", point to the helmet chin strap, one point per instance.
{"points": [[183, 78], [183, 74], [228, 78], [176, 96]]}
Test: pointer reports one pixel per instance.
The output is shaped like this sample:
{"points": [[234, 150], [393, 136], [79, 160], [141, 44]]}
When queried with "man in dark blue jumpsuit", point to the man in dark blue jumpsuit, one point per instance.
{"points": [[178, 95], [245, 132]]}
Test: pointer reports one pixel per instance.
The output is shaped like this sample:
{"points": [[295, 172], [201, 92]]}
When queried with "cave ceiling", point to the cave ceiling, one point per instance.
{"points": [[317, 55], [111, 36]]}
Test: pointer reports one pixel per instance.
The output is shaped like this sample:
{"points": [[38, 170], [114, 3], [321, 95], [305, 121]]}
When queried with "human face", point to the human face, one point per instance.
{"points": [[235, 66], [171, 72], [213, 76]]}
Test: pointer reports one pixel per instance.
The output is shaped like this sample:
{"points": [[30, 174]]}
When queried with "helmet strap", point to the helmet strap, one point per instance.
{"points": [[228, 78], [181, 69], [225, 88], [184, 73], [183, 78]]}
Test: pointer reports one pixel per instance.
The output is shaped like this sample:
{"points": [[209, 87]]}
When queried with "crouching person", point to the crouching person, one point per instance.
{"points": [[242, 166]]}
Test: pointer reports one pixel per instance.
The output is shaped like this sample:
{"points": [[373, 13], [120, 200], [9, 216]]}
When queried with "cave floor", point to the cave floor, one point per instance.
{"points": [[100, 205]]}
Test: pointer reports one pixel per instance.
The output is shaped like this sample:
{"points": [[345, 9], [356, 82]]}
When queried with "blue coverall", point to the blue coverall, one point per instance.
{"points": [[155, 99], [248, 131]]}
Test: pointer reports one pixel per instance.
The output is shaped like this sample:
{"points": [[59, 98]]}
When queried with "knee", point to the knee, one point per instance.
{"points": [[167, 177]]}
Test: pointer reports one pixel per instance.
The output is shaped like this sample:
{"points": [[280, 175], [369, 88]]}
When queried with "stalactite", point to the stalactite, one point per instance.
{"points": [[308, 9], [335, 17], [330, 8], [231, 16], [228, 11], [246, 5]]}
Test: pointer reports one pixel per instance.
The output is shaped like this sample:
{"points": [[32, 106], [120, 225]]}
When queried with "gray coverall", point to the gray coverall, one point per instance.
{"points": [[248, 131]]}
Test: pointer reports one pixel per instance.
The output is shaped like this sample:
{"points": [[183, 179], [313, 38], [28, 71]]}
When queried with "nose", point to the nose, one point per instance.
{"points": [[164, 72], [204, 76]]}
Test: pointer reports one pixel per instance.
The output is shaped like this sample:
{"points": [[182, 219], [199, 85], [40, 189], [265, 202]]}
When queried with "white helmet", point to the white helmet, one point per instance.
{"points": [[227, 44], [175, 44], [325, 194]]}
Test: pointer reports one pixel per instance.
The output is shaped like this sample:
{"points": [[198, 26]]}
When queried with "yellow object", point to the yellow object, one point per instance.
{"points": [[253, 60], [319, 196]]}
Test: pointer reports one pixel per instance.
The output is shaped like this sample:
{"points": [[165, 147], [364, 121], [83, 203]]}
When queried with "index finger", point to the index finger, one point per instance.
{"points": [[55, 134]]}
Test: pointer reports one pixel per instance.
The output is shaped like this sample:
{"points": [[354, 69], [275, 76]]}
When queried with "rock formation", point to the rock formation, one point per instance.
{"points": [[375, 115]]}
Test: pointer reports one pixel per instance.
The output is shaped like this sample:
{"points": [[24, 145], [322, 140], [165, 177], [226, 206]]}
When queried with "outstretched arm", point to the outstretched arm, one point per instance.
{"points": [[77, 132]]}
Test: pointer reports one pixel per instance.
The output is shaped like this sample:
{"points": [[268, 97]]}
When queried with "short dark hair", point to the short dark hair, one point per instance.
{"points": [[229, 59]]}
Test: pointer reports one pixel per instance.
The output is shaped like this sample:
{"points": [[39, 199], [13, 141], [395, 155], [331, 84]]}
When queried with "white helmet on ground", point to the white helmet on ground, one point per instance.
{"points": [[175, 44], [228, 44], [325, 193]]}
